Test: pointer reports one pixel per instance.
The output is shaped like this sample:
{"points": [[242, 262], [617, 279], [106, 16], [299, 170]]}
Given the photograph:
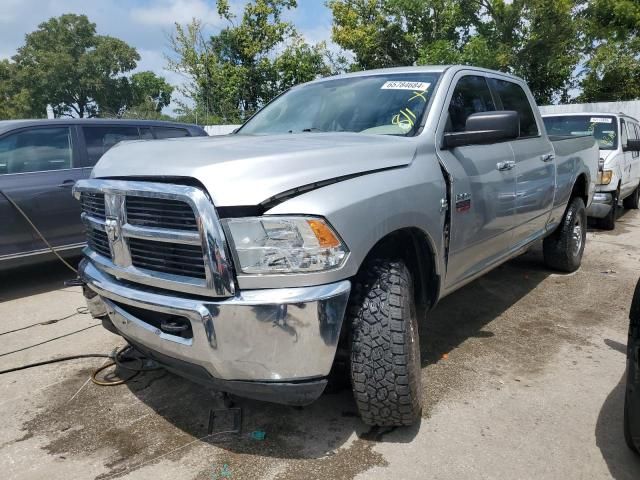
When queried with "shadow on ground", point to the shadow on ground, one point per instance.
{"points": [[623, 464], [35, 279]]}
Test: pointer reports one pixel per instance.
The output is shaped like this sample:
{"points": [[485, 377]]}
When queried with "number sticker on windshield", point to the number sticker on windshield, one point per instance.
{"points": [[404, 85], [600, 120]]}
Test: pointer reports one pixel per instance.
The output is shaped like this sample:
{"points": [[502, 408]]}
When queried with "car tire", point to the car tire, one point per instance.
{"points": [[384, 345], [632, 388], [563, 249], [632, 202], [609, 222]]}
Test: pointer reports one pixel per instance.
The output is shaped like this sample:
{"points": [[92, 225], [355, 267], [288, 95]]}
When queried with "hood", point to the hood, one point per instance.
{"points": [[247, 170]]}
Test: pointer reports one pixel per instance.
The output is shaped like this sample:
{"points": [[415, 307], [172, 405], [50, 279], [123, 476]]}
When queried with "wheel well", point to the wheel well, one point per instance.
{"points": [[413, 247], [581, 188]]}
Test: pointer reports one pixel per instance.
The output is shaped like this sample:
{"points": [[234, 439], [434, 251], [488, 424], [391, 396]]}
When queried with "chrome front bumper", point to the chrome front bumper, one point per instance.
{"points": [[280, 337], [601, 205]]}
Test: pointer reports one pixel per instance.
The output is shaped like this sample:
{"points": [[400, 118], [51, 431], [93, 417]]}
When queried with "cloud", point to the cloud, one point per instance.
{"points": [[168, 12]]}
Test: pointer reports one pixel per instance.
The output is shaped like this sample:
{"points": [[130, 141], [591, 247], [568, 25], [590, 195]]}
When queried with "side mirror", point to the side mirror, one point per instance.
{"points": [[485, 127], [632, 146]]}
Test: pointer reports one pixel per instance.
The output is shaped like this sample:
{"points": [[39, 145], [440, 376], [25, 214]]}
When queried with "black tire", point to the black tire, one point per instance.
{"points": [[632, 202], [609, 222], [563, 249], [632, 389], [385, 347]]}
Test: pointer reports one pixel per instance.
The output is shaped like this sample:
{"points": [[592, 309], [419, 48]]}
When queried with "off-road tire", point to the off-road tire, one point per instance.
{"points": [[632, 387], [609, 222], [384, 345], [632, 202], [562, 249]]}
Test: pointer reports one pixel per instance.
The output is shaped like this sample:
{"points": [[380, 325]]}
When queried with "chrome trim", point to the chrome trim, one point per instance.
{"points": [[277, 334], [218, 270], [42, 251]]}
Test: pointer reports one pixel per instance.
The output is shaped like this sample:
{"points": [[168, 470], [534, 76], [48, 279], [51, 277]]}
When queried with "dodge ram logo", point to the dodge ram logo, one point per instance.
{"points": [[112, 228]]}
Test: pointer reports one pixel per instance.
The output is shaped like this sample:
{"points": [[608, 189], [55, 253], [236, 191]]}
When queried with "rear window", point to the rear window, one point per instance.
{"points": [[100, 139], [170, 132], [514, 98], [602, 127]]}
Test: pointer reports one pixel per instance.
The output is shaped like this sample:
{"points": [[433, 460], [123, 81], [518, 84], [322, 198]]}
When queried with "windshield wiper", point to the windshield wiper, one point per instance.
{"points": [[310, 129]]}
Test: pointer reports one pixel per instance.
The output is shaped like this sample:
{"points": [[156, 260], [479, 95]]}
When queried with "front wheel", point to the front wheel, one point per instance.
{"points": [[563, 249], [385, 347], [609, 222]]}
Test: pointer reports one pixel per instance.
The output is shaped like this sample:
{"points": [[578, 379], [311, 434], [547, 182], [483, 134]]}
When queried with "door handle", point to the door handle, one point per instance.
{"points": [[547, 157], [67, 184], [508, 165]]}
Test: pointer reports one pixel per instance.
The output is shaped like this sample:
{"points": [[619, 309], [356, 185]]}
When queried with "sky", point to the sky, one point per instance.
{"points": [[144, 24]]}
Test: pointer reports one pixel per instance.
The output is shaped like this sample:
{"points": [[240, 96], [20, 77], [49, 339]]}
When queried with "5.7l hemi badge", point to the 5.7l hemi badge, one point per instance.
{"points": [[463, 202]]}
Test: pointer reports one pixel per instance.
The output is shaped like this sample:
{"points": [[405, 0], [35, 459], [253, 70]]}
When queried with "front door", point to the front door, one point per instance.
{"points": [[483, 186], [37, 172]]}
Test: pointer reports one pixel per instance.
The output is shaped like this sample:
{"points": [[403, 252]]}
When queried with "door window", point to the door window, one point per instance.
{"points": [[145, 133], [471, 95], [513, 97], [36, 150], [169, 132], [100, 139], [624, 136], [633, 135]]}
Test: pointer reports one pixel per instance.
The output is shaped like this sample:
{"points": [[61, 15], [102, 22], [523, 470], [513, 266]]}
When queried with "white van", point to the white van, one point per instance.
{"points": [[619, 167]]}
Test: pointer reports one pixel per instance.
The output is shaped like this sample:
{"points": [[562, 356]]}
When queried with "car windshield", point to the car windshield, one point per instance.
{"points": [[603, 127], [389, 104]]}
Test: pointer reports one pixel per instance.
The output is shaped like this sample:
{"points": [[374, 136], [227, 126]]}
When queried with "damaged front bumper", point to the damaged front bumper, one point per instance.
{"points": [[275, 345]]}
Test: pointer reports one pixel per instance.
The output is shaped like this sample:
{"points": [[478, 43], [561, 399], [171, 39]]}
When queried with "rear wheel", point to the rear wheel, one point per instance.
{"points": [[563, 249], [385, 347], [632, 202]]}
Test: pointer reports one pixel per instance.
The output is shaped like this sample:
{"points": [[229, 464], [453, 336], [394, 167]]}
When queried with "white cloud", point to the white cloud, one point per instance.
{"points": [[168, 12]]}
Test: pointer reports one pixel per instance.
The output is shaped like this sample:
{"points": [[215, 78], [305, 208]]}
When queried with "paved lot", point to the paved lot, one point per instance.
{"points": [[523, 375]]}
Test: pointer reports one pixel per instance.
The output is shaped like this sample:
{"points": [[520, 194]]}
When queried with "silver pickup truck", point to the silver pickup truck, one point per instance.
{"points": [[325, 228]]}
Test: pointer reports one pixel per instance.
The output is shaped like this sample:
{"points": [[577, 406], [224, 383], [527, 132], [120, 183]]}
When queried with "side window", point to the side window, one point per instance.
{"points": [[145, 133], [633, 134], [513, 98], [170, 132], [471, 95], [36, 150], [100, 139], [624, 136]]}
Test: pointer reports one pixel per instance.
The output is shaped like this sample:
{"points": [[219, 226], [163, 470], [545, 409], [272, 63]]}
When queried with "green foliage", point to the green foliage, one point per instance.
{"points": [[235, 72], [66, 64], [612, 70], [14, 99]]}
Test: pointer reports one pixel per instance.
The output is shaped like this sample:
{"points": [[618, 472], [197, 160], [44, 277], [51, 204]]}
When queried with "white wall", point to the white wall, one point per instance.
{"points": [[631, 108], [219, 129]]}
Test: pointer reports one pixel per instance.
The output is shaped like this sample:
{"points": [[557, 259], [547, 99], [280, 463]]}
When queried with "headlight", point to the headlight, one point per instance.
{"points": [[604, 177], [285, 245]]}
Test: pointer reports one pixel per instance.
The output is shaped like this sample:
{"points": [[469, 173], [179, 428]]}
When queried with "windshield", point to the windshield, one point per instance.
{"points": [[603, 127], [389, 104]]}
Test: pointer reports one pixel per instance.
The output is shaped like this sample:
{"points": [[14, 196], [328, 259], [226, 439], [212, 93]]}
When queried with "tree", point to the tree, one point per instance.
{"points": [[232, 74], [535, 39], [612, 68], [14, 99], [72, 68]]}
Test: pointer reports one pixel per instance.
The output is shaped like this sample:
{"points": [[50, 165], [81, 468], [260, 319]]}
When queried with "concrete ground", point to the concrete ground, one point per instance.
{"points": [[523, 375]]}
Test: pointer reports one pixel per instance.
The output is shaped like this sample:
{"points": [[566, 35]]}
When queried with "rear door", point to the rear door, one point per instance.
{"points": [[38, 168], [535, 168], [483, 191]]}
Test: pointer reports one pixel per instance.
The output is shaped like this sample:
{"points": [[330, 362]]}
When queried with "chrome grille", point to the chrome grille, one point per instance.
{"points": [[157, 234], [167, 257], [98, 242], [93, 204], [160, 213]]}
